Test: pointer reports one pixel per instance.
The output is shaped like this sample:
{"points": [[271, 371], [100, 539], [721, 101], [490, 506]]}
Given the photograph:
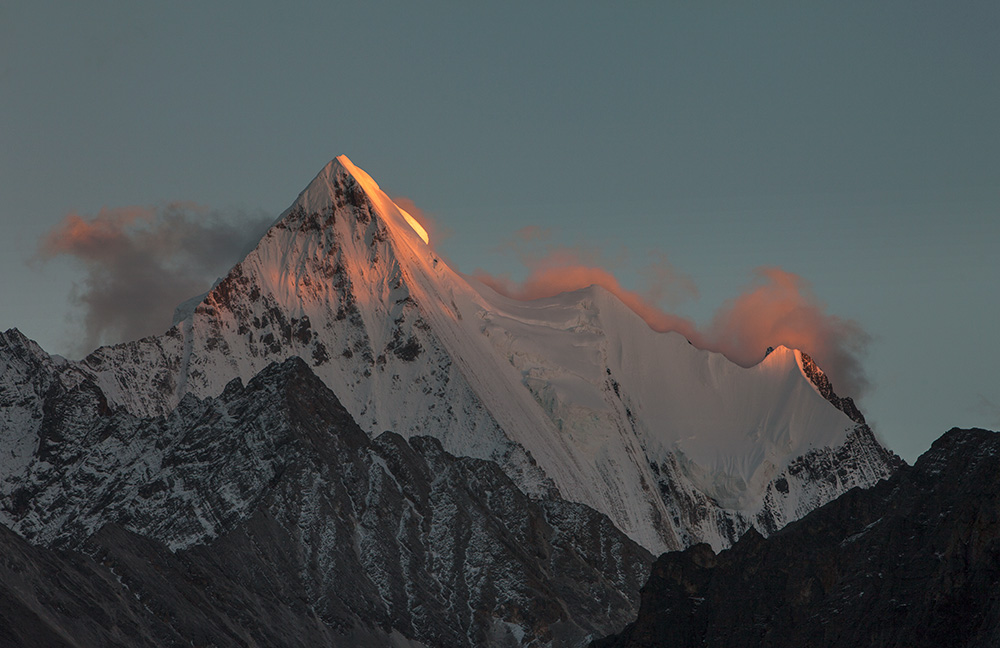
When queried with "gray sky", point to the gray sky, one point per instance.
{"points": [[854, 145]]}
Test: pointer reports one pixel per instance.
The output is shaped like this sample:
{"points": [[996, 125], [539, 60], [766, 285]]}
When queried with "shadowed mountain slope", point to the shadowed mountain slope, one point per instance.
{"points": [[267, 517], [914, 561]]}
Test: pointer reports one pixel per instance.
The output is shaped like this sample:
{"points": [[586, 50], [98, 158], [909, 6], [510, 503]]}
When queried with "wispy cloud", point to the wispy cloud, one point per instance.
{"points": [[140, 262], [777, 308], [562, 271], [665, 284], [530, 233]]}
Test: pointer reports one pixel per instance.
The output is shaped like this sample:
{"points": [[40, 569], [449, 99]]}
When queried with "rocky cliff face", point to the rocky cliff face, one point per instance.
{"points": [[825, 388], [914, 561], [266, 516]]}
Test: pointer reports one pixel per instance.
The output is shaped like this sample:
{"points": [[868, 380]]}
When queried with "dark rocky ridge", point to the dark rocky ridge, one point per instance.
{"points": [[267, 517], [122, 589], [844, 403], [913, 561]]}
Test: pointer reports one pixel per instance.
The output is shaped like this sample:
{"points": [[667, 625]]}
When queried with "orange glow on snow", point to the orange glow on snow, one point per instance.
{"points": [[417, 227], [374, 192]]}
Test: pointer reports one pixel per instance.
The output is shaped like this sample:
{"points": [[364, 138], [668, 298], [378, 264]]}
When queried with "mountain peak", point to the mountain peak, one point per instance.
{"points": [[336, 177], [574, 393], [341, 167], [340, 182]]}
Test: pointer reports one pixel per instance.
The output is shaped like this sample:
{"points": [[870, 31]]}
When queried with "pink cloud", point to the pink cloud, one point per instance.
{"points": [[562, 270], [778, 308], [781, 309]]}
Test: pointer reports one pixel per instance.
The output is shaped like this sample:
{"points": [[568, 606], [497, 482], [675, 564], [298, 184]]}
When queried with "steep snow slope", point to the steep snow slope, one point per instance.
{"points": [[574, 393], [635, 404]]}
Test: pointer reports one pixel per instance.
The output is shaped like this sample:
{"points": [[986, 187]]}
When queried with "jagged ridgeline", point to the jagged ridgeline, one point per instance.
{"points": [[636, 439]]}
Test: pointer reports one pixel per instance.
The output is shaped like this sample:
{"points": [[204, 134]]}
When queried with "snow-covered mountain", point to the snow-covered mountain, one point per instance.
{"points": [[574, 394]]}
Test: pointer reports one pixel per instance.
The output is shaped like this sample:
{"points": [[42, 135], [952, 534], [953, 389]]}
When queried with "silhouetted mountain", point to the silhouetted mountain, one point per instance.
{"points": [[914, 561]]}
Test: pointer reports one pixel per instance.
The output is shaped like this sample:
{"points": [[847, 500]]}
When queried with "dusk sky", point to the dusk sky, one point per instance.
{"points": [[718, 160]]}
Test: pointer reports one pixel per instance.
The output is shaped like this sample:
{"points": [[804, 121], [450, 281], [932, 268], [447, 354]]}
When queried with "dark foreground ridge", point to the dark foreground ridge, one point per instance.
{"points": [[267, 517], [913, 561]]}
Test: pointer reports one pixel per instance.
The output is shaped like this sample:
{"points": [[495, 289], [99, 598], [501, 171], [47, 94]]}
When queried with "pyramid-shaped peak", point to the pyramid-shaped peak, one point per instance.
{"points": [[342, 177], [338, 175], [365, 180], [340, 167]]}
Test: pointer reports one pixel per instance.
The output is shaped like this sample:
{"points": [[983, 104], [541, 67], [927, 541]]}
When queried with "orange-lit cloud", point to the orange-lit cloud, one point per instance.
{"points": [[777, 309], [548, 282], [92, 239], [141, 262], [562, 270], [781, 309]]}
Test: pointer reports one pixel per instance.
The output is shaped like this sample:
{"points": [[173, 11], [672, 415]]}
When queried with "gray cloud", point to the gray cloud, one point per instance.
{"points": [[665, 284], [140, 262]]}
